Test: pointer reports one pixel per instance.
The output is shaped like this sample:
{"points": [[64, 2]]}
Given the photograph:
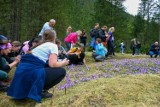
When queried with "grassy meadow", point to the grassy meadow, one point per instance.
{"points": [[120, 81]]}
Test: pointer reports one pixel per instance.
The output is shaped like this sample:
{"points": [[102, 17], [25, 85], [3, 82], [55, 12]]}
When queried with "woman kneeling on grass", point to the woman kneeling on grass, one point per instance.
{"points": [[5, 67], [38, 71]]}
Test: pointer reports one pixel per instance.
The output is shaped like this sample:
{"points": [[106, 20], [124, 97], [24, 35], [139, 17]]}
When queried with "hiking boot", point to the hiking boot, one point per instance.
{"points": [[46, 94]]}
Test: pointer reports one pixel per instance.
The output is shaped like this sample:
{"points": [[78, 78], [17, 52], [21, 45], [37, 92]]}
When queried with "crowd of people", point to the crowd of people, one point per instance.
{"points": [[39, 62]]}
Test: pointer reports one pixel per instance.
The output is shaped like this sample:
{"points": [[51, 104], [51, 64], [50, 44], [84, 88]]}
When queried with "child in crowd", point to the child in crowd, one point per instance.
{"points": [[76, 55], [72, 39], [61, 51], [100, 51], [38, 70], [83, 38], [4, 66]]}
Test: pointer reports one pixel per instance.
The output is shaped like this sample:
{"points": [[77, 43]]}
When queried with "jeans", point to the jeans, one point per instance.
{"points": [[138, 51], [98, 57], [68, 46], [122, 50], [151, 53]]}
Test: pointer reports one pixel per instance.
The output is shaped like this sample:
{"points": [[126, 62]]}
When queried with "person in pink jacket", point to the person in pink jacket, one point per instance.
{"points": [[71, 39]]}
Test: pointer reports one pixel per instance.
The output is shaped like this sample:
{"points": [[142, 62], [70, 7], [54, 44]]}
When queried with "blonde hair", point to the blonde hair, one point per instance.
{"points": [[69, 27], [79, 32], [111, 29]]}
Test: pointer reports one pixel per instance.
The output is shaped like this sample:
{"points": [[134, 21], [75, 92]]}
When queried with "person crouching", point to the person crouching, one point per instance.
{"points": [[100, 52], [76, 55]]}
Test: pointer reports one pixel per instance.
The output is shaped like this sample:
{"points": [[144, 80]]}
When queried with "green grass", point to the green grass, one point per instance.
{"points": [[117, 91]]}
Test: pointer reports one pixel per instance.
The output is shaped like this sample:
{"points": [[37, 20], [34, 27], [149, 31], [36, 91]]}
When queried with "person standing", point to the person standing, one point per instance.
{"points": [[94, 34], [111, 45], [133, 46], [122, 47], [83, 38], [48, 25], [102, 35]]}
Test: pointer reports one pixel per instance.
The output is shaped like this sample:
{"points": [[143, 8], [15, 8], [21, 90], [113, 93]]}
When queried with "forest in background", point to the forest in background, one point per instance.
{"points": [[23, 19]]}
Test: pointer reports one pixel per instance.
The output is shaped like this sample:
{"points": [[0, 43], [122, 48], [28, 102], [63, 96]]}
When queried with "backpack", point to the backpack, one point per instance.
{"points": [[92, 33]]}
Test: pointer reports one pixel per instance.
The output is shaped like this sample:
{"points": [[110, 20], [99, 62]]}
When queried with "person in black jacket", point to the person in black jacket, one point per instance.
{"points": [[154, 50], [94, 34], [83, 38], [133, 46], [103, 35]]}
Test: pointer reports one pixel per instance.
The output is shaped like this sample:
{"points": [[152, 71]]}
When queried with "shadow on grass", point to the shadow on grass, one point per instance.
{"points": [[24, 102]]}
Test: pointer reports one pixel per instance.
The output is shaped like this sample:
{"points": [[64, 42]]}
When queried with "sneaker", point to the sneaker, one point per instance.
{"points": [[46, 94]]}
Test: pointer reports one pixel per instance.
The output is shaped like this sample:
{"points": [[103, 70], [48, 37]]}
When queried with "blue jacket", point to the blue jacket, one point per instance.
{"points": [[29, 78], [153, 48], [100, 49]]}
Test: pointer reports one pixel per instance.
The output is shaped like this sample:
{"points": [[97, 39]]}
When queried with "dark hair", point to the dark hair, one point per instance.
{"points": [[35, 39], [58, 41], [99, 40]]}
